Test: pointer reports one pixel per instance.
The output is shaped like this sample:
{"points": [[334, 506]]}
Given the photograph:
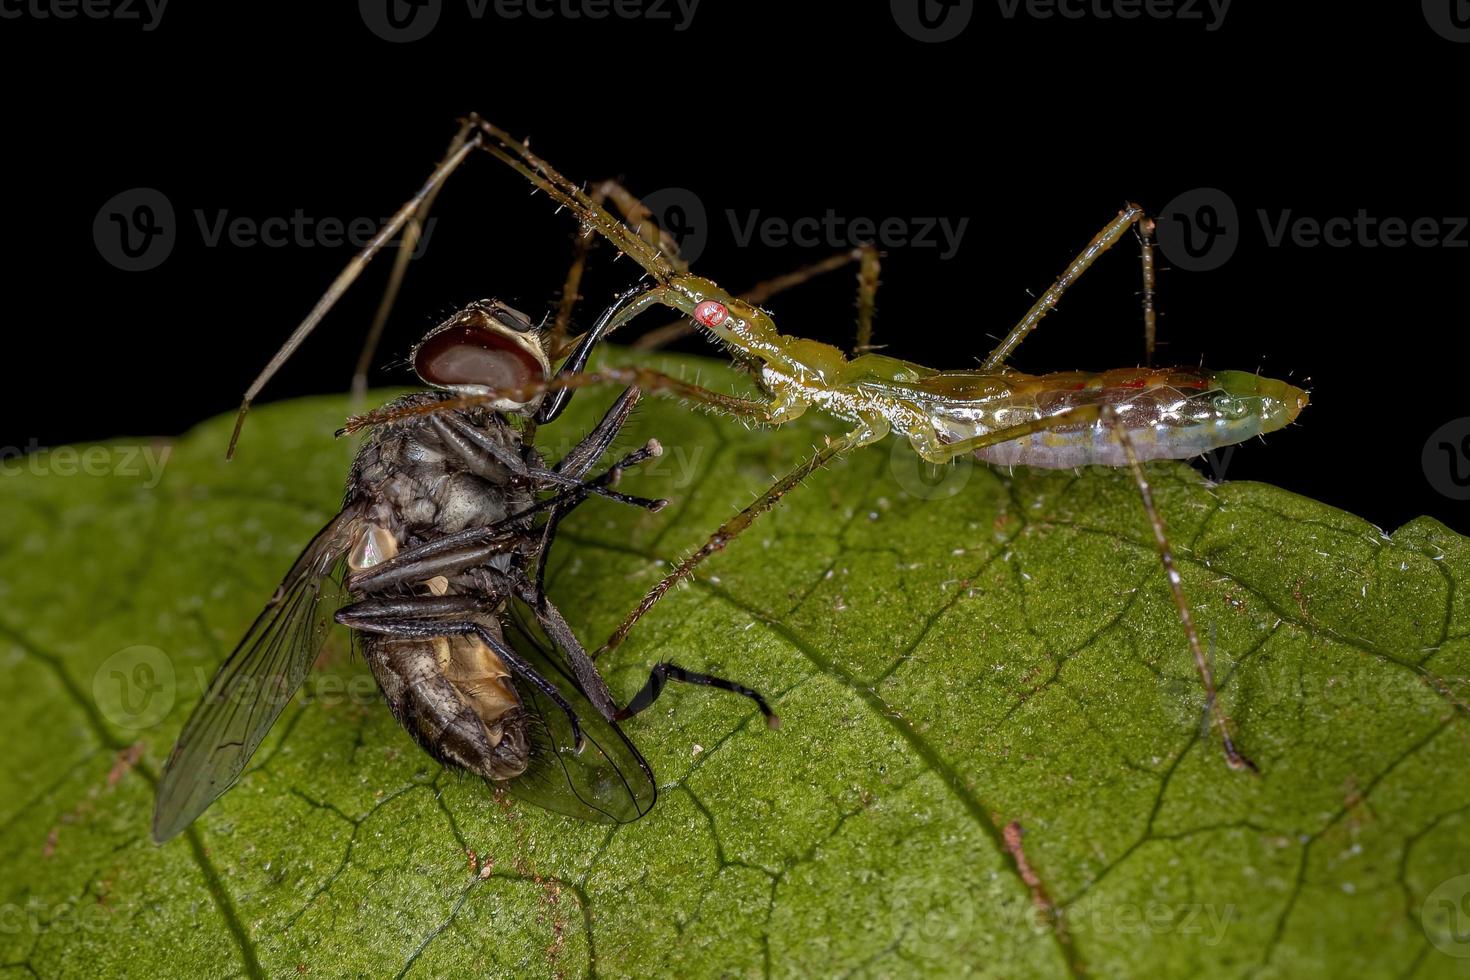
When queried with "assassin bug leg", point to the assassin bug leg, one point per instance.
{"points": [[1146, 228], [1221, 721], [869, 267], [767, 500], [727, 532], [1100, 243], [634, 212], [750, 409]]}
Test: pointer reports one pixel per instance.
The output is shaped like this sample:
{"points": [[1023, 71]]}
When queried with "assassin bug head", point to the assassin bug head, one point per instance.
{"points": [[486, 347]]}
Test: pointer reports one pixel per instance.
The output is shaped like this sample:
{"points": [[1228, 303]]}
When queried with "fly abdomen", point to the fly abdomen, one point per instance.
{"points": [[460, 707]]}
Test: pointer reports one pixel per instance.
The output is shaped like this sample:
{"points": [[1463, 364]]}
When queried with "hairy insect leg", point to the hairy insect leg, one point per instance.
{"points": [[412, 232], [1100, 243], [635, 212], [760, 411], [1215, 711], [518, 156], [869, 266], [345, 279], [731, 529], [1145, 229], [395, 617], [662, 673], [944, 452]]}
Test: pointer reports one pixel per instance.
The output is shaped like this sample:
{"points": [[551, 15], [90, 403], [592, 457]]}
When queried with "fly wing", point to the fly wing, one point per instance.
{"points": [[253, 686], [609, 781]]}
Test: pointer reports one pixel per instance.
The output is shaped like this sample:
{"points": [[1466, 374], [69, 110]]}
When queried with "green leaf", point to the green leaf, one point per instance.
{"points": [[991, 759]]}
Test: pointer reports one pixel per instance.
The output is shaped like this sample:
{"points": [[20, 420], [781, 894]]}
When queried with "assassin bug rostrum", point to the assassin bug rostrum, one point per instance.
{"points": [[1116, 418], [437, 562]]}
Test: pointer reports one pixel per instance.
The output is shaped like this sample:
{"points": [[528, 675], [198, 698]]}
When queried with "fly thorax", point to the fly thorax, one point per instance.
{"points": [[372, 545]]}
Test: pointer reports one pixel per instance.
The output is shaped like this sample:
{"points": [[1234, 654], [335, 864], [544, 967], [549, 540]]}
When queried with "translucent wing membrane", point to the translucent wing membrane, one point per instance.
{"points": [[609, 782], [255, 683]]}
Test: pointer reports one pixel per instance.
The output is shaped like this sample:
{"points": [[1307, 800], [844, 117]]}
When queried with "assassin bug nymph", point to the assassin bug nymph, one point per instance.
{"points": [[999, 415], [437, 562]]}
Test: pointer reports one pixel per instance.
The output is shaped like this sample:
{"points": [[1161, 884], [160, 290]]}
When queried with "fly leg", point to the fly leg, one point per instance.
{"points": [[1130, 215], [580, 458], [471, 547], [662, 673], [548, 531], [871, 431], [1215, 711], [474, 445], [576, 463], [556, 399], [414, 617], [566, 641]]}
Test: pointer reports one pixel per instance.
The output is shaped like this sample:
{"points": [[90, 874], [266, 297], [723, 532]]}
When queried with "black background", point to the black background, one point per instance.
{"points": [[1036, 129]]}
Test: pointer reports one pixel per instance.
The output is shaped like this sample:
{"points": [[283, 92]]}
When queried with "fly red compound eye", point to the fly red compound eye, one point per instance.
{"points": [[710, 313]]}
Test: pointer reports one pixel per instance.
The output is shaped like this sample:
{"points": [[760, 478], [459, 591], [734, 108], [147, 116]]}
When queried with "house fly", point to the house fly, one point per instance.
{"points": [[436, 562]]}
